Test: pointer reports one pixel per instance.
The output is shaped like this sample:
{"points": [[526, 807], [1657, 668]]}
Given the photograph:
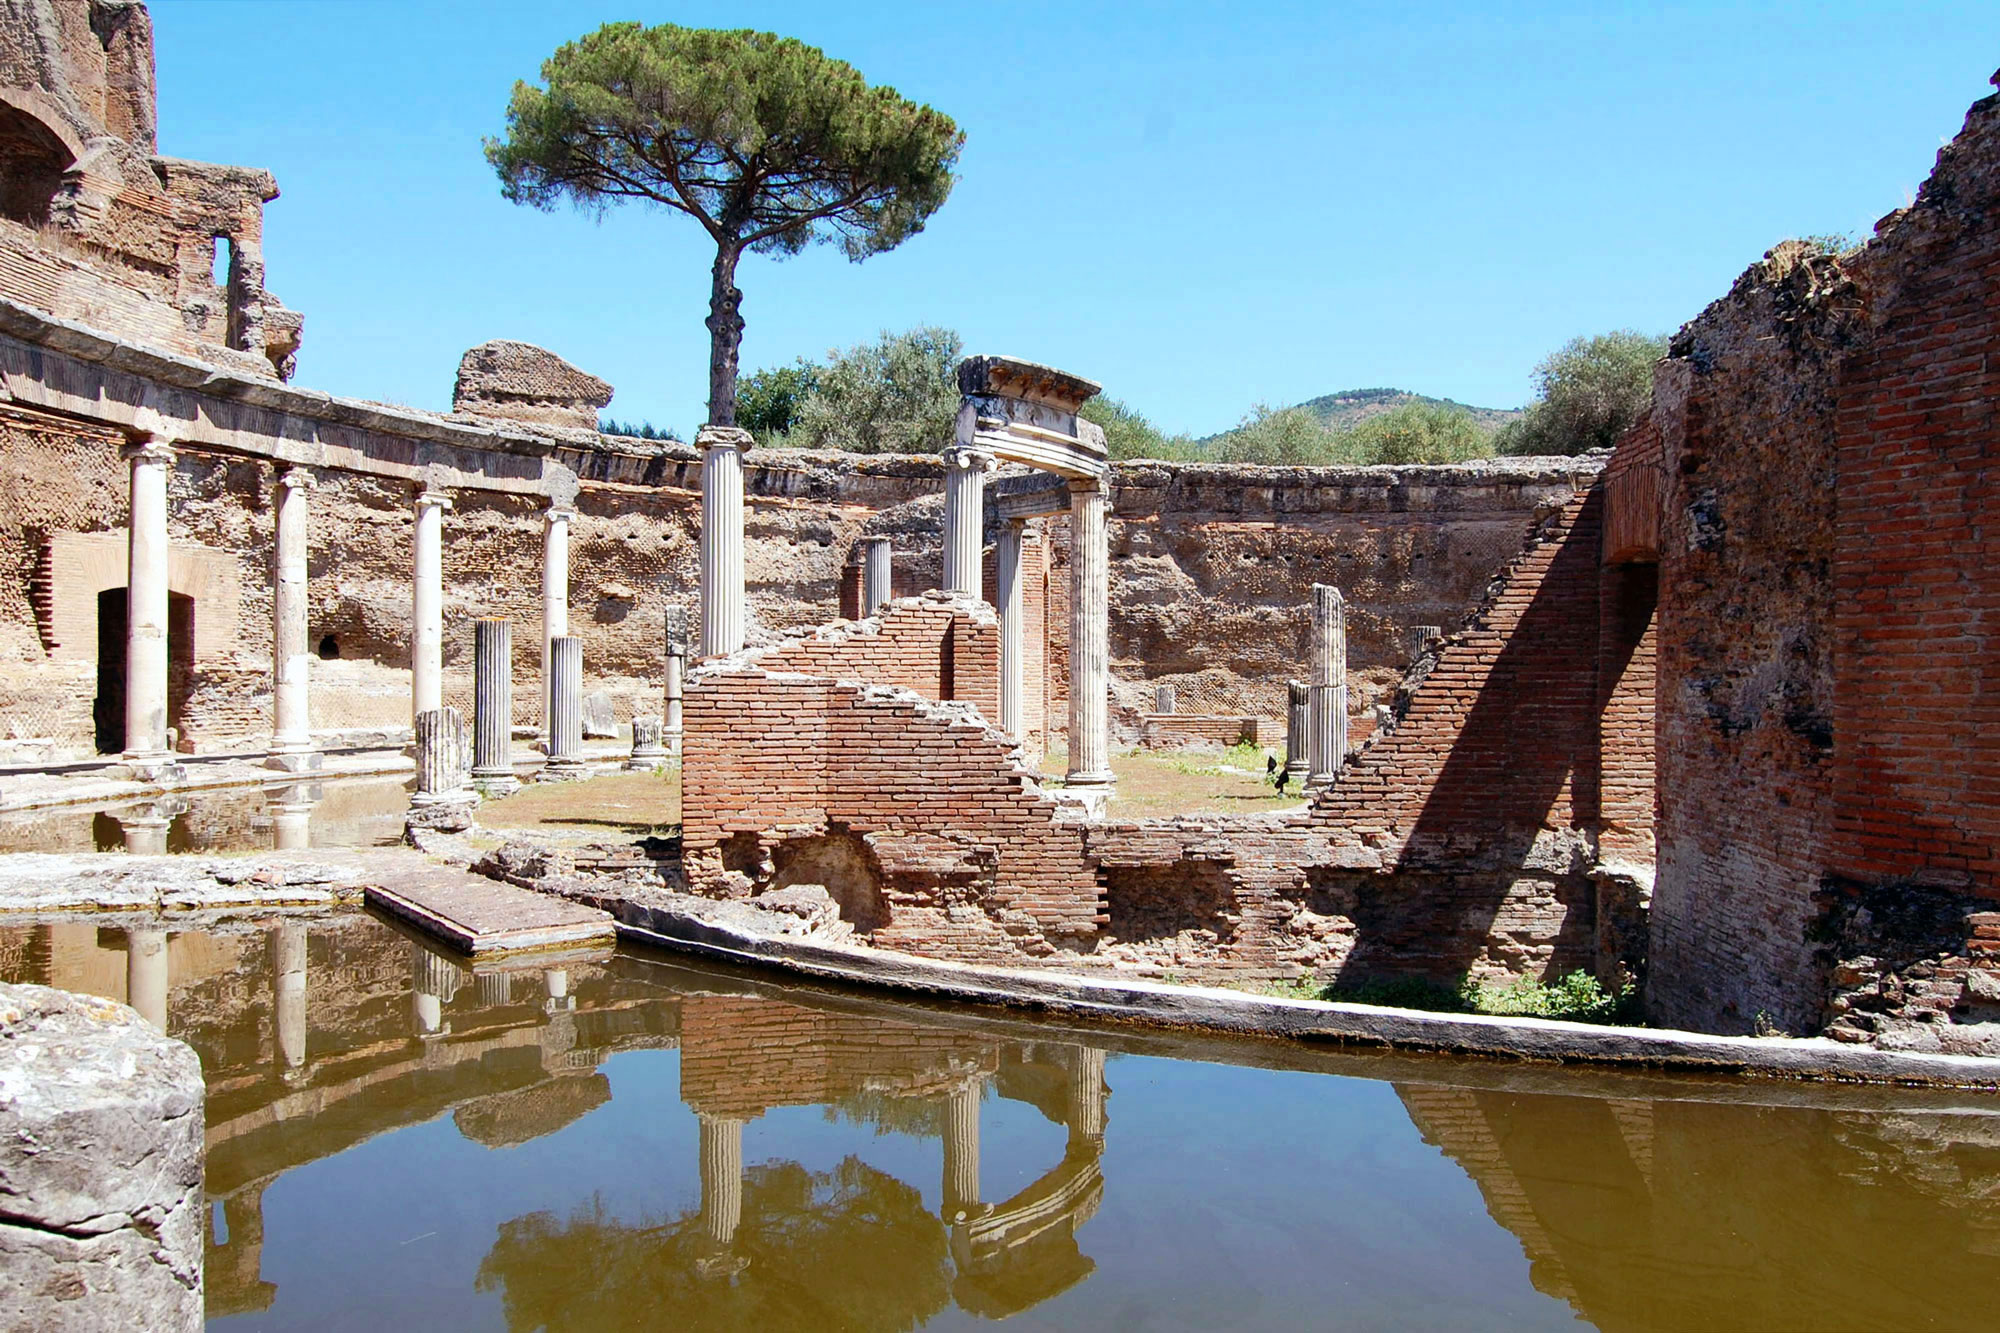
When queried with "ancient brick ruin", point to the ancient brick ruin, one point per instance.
{"points": [[1709, 712]]}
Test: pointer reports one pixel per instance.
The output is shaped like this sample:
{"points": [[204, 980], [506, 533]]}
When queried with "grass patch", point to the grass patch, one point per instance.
{"points": [[622, 803], [1152, 784], [1578, 997]]}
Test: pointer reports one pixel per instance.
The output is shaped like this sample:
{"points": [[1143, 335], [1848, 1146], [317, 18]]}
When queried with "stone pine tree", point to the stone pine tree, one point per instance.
{"points": [[765, 141]]}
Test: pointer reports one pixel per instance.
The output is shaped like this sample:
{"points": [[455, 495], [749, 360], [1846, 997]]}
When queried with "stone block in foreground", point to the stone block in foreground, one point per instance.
{"points": [[101, 1142]]}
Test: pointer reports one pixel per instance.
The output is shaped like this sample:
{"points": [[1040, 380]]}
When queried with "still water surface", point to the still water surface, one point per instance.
{"points": [[396, 1141]]}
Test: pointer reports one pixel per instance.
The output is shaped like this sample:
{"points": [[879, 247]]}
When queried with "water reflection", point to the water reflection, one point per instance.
{"points": [[1634, 1204], [286, 817]]}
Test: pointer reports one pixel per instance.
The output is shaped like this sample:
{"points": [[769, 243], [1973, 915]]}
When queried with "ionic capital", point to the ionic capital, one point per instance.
{"points": [[433, 498], [295, 479], [724, 437], [971, 460], [557, 514], [148, 449]]}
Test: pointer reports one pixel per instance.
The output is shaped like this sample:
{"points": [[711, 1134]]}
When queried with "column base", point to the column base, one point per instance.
{"points": [[561, 770], [160, 767], [493, 783], [644, 760], [299, 760], [1298, 769], [1085, 794]]}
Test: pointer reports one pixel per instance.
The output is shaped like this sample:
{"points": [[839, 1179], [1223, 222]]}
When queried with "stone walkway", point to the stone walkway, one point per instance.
{"points": [[480, 916]]}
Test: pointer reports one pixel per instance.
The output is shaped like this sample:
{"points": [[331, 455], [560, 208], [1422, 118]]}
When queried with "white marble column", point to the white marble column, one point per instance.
{"points": [[291, 656], [722, 618], [146, 975], [965, 472], [291, 810], [288, 963], [1298, 727], [493, 706], [961, 1152], [875, 575], [427, 604], [555, 593], [1089, 636], [1327, 747], [721, 1177], [1008, 601], [677, 652], [565, 745], [146, 607]]}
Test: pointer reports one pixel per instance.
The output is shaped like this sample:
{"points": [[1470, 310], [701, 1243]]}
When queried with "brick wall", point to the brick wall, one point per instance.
{"points": [[929, 646]]}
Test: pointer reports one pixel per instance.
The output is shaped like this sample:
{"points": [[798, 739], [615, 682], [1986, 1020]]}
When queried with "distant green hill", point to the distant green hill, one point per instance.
{"points": [[1350, 407]]}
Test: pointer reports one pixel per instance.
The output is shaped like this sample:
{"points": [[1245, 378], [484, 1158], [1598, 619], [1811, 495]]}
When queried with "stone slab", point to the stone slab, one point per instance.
{"points": [[482, 917]]}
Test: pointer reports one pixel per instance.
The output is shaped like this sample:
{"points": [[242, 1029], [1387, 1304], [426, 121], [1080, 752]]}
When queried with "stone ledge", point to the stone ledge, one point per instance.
{"points": [[1313, 1021]]}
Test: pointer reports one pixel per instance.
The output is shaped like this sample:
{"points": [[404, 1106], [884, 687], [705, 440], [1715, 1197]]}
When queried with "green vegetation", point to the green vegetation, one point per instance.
{"points": [[763, 140], [768, 402], [1351, 407], [1587, 393], [1128, 434], [896, 395], [1578, 997], [1419, 431], [637, 430]]}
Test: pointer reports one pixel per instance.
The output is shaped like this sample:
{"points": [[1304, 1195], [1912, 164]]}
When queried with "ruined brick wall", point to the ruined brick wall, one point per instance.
{"points": [[923, 645], [1826, 572], [914, 817]]}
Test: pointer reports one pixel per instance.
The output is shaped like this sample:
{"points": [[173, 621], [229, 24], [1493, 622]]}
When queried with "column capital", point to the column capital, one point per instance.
{"points": [[295, 478], [147, 448], [558, 514], [960, 456], [431, 496], [1094, 485], [724, 437]]}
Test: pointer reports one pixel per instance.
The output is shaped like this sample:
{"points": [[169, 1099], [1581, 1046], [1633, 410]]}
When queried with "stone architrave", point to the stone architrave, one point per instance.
{"points": [[1298, 725], [677, 655], [146, 751], [427, 603], [647, 750], [965, 473], [493, 706], [291, 656], [722, 610], [1326, 748], [565, 710], [101, 1147], [875, 575], [444, 756], [1089, 638]]}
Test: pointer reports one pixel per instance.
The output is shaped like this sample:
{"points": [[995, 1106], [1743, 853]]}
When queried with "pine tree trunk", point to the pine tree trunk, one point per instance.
{"points": [[725, 338]]}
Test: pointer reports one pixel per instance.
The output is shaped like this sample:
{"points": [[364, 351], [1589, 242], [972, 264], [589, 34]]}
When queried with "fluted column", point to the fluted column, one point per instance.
{"points": [[1327, 749], [961, 1151], [721, 1177], [1089, 636], [565, 708], [427, 604], [1087, 1094], [1298, 727], [493, 706], [1008, 596], [288, 964], [875, 575], [965, 472], [291, 657], [146, 606], [722, 449], [434, 980], [146, 975], [555, 593]]}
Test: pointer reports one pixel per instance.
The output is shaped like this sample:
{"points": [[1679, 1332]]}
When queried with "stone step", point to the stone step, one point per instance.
{"points": [[486, 918]]}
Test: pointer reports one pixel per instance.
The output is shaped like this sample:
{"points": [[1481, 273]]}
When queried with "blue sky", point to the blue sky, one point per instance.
{"points": [[1203, 207]]}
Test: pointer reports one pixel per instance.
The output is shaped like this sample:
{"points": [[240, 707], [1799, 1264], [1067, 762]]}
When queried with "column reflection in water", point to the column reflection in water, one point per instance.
{"points": [[435, 981], [288, 966], [146, 974]]}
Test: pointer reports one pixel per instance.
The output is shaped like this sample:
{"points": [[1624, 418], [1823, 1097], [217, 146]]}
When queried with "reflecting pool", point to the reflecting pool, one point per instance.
{"points": [[397, 1140], [282, 816]]}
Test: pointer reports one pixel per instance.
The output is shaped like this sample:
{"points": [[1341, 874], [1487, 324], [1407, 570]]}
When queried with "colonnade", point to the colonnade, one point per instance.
{"points": [[147, 753]]}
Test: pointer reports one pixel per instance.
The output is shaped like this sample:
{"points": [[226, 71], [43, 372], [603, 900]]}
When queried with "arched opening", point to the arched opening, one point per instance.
{"points": [[329, 649], [108, 709], [32, 161]]}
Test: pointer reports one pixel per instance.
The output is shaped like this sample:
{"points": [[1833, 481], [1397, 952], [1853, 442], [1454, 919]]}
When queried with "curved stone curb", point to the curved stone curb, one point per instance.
{"points": [[1211, 1009]]}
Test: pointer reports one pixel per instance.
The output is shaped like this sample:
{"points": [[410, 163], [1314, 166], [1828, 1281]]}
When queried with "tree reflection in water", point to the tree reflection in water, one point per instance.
{"points": [[851, 1248]]}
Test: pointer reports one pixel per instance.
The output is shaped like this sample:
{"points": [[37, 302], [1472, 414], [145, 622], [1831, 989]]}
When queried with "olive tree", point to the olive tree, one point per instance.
{"points": [[766, 142], [1588, 391]]}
